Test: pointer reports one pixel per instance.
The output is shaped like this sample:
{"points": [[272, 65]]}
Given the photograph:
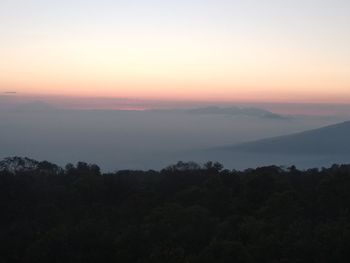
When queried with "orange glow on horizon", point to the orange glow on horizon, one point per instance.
{"points": [[172, 51]]}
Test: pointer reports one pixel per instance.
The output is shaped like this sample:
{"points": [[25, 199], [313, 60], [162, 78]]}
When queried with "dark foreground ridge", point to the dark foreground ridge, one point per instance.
{"points": [[333, 139], [183, 213]]}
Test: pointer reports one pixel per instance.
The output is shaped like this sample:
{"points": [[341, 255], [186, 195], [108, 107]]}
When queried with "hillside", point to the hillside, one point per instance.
{"points": [[332, 139]]}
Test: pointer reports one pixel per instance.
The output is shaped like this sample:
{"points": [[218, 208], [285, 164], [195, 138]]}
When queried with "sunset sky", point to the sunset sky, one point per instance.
{"points": [[205, 50]]}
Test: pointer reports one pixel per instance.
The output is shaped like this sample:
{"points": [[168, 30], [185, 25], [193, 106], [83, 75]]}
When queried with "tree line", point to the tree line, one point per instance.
{"points": [[186, 213]]}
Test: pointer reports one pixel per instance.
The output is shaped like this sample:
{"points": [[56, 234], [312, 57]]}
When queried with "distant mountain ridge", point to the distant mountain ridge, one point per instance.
{"points": [[333, 139], [233, 111]]}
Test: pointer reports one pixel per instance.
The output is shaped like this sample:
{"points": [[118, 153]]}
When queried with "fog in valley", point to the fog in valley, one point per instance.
{"points": [[148, 139]]}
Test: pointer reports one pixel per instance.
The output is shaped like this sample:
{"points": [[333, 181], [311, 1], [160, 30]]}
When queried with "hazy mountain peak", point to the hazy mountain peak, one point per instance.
{"points": [[235, 110]]}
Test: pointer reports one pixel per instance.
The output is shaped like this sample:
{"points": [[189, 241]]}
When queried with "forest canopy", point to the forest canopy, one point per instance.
{"points": [[186, 213]]}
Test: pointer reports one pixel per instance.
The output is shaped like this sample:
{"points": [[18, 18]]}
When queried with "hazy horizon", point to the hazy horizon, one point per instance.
{"points": [[136, 84], [13, 100], [149, 139]]}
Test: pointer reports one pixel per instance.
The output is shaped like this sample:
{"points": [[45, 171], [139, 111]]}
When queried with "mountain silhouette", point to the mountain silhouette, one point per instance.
{"points": [[333, 139], [229, 111]]}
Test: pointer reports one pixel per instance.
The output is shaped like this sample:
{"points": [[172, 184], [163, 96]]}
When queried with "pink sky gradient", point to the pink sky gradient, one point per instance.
{"points": [[194, 51]]}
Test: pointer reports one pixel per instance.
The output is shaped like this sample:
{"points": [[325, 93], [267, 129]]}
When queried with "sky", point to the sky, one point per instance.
{"points": [[198, 50]]}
